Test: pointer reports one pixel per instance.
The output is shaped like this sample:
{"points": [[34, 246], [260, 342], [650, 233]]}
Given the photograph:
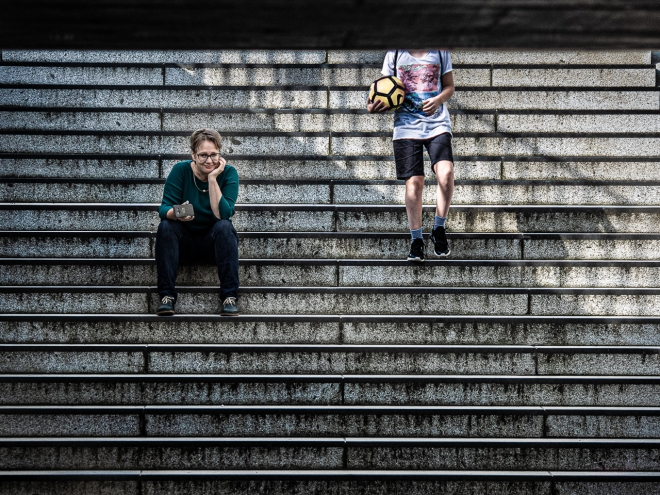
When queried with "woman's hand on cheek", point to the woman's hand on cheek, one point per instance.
{"points": [[219, 169]]}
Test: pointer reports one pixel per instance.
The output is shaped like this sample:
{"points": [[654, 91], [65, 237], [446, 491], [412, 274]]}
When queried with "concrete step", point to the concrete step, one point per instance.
{"points": [[604, 58], [342, 245], [511, 192], [317, 97], [328, 453], [317, 76], [302, 389], [341, 272], [238, 121], [324, 144], [328, 168], [57, 119], [353, 482], [173, 56], [501, 57], [432, 300], [328, 359], [330, 329], [237, 76], [485, 422], [478, 99], [342, 218]]}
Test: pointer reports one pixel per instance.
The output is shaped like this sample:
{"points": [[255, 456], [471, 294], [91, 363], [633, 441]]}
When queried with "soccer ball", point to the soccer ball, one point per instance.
{"points": [[389, 90]]}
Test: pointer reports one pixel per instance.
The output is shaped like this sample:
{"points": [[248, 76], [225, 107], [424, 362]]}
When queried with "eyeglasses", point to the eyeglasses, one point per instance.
{"points": [[203, 157]]}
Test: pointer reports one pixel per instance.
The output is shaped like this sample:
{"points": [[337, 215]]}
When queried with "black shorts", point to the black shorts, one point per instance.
{"points": [[409, 154]]}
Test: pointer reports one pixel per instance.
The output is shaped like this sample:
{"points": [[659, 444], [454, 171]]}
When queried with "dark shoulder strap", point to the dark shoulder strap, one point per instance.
{"points": [[440, 57], [396, 56]]}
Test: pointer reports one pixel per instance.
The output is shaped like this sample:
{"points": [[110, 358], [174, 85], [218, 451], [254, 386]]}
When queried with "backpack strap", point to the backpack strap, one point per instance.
{"points": [[396, 56]]}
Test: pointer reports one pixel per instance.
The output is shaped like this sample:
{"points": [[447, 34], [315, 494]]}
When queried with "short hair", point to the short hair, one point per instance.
{"points": [[201, 135]]}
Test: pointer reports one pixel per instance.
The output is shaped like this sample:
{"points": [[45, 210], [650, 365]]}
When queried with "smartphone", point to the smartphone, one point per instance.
{"points": [[186, 210]]}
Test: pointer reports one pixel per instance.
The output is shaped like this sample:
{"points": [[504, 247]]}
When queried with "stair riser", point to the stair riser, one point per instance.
{"points": [[341, 276], [325, 458], [267, 168], [331, 145], [348, 221], [313, 98], [379, 194], [331, 363], [332, 304], [204, 393]]}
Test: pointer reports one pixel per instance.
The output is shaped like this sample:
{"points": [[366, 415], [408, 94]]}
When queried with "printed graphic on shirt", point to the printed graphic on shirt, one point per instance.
{"points": [[421, 83]]}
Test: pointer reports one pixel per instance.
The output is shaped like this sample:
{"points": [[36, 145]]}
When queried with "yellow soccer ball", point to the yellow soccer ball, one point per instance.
{"points": [[389, 90]]}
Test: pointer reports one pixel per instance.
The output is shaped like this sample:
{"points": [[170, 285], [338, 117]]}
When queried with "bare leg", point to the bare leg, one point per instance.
{"points": [[444, 171], [414, 189]]}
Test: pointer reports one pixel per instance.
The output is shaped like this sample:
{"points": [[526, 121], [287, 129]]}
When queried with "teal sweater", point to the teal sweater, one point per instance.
{"points": [[180, 187]]}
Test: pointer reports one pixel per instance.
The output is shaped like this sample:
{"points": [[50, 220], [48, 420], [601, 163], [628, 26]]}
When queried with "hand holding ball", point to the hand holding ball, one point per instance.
{"points": [[389, 90]]}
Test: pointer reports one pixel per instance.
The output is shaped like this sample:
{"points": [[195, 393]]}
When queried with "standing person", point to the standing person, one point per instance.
{"points": [[422, 122], [210, 184]]}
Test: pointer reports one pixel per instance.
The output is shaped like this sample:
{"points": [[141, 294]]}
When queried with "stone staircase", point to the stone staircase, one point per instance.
{"points": [[525, 364]]}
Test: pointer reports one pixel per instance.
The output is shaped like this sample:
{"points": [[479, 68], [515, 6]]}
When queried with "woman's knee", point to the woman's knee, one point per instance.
{"points": [[223, 228], [444, 171], [168, 227]]}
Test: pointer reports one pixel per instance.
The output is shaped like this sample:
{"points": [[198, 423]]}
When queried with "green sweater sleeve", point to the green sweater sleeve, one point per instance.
{"points": [[229, 188], [172, 192]]}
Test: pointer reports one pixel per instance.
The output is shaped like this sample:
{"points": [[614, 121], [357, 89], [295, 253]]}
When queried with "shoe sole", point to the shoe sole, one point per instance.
{"points": [[443, 255], [228, 314], [418, 260], [165, 313]]}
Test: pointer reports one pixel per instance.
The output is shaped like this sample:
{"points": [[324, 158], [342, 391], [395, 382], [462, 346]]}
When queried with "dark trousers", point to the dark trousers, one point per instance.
{"points": [[175, 244]]}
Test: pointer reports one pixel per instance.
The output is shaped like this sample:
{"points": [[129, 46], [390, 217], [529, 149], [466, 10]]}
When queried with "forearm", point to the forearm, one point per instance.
{"points": [[445, 94], [170, 214], [215, 195]]}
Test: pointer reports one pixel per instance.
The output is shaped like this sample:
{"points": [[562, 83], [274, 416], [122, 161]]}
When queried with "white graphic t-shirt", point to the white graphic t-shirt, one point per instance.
{"points": [[422, 78]]}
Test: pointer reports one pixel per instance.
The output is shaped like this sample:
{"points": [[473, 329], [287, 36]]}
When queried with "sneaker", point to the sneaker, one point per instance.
{"points": [[440, 243], [166, 307], [229, 307], [416, 250]]}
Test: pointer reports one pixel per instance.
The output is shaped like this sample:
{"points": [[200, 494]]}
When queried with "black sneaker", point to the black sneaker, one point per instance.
{"points": [[440, 243], [416, 250], [229, 307], [166, 307]]}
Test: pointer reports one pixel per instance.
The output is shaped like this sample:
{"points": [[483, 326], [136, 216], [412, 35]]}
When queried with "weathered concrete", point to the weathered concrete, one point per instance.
{"points": [[75, 247], [497, 276], [172, 457], [504, 194], [595, 304], [598, 364], [73, 425], [117, 393], [514, 99], [169, 56], [563, 394], [158, 98], [70, 487], [71, 362], [532, 57], [71, 220], [574, 77], [604, 488], [358, 303], [68, 302], [592, 249], [223, 331], [502, 333], [589, 426], [352, 487], [120, 76], [484, 458], [269, 145], [308, 122], [579, 123], [365, 248], [562, 170], [351, 425], [81, 121], [343, 363], [512, 146], [78, 168]]}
